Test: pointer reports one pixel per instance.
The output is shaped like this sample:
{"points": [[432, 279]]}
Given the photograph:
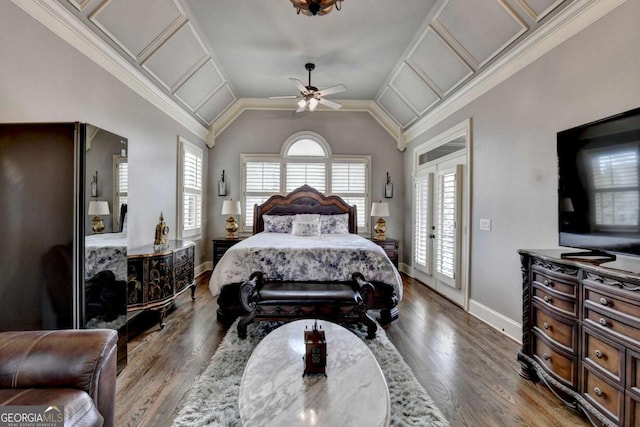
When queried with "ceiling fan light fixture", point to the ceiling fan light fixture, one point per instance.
{"points": [[313, 103], [316, 7], [302, 103]]}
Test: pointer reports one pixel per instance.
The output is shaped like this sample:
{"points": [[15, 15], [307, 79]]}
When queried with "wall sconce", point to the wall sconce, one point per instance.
{"points": [[388, 188], [380, 209], [94, 185], [231, 207], [98, 208], [222, 186]]}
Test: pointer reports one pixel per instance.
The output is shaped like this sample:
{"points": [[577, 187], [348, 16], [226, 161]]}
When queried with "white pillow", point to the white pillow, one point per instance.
{"points": [[308, 217], [305, 228]]}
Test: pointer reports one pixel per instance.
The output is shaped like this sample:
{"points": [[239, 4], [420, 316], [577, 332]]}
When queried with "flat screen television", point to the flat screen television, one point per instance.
{"points": [[599, 186]]}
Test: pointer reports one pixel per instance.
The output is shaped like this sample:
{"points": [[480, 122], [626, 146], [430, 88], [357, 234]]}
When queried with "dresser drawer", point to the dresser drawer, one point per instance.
{"points": [[632, 410], [604, 354], [606, 397], [561, 331], [633, 372], [546, 280], [560, 365], [553, 300], [605, 322]]}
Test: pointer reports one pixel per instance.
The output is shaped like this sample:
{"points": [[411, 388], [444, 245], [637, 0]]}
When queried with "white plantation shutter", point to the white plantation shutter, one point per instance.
{"points": [[349, 180], [262, 180], [615, 184], [121, 188], [312, 174], [190, 189], [422, 228], [447, 240]]}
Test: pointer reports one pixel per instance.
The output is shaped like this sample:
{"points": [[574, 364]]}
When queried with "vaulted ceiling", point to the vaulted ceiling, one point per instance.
{"points": [[401, 59]]}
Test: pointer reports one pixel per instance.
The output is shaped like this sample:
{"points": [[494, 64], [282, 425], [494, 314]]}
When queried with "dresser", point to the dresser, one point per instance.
{"points": [[581, 333], [155, 278], [221, 245], [390, 246]]}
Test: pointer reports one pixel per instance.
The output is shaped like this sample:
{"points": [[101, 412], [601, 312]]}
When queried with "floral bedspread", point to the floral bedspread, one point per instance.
{"points": [[283, 256], [106, 252]]}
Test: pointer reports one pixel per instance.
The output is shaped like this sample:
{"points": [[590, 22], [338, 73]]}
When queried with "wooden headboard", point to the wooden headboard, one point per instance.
{"points": [[304, 200]]}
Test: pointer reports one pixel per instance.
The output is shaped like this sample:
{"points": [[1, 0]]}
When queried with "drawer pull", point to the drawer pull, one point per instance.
{"points": [[604, 301], [547, 299], [545, 356], [597, 391], [546, 326], [598, 354], [603, 321], [548, 283]]}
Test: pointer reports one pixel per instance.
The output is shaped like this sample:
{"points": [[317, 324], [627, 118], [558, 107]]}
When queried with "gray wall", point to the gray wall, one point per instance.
{"points": [[43, 79], [264, 132], [590, 76]]}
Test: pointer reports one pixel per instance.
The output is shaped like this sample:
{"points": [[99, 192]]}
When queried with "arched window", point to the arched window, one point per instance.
{"points": [[306, 158]]}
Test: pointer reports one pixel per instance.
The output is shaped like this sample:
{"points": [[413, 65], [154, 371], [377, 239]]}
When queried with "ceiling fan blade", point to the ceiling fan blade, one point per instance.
{"points": [[330, 104], [284, 97], [297, 83], [332, 89]]}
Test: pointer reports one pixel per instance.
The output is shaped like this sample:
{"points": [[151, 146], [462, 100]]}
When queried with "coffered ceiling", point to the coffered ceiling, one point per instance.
{"points": [[399, 60]]}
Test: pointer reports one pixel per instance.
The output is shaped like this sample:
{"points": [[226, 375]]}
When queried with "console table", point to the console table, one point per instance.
{"points": [[581, 333], [155, 278]]}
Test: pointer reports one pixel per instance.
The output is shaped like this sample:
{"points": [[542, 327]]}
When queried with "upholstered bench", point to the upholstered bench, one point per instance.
{"points": [[346, 301]]}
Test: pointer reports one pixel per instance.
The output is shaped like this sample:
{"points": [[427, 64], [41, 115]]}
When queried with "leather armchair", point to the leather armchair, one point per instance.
{"points": [[71, 368]]}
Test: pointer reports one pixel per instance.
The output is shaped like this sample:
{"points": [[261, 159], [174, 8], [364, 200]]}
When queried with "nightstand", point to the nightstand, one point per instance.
{"points": [[222, 245], [390, 246]]}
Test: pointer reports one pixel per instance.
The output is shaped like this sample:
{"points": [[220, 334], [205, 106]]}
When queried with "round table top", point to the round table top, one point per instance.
{"points": [[274, 392]]}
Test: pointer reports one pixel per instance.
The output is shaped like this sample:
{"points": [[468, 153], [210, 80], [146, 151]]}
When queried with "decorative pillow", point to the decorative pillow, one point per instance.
{"points": [[305, 228], [308, 217], [278, 223], [335, 224]]}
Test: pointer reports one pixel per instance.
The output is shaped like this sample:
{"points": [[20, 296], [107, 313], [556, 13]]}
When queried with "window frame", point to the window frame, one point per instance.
{"points": [[184, 146], [328, 160]]}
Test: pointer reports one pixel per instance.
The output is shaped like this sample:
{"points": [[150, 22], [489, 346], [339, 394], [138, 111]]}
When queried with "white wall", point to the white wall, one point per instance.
{"points": [[591, 76], [256, 132], [43, 79]]}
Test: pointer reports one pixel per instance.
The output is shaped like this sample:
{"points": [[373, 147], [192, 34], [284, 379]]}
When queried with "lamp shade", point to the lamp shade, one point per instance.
{"points": [[99, 208], [380, 209], [231, 207]]}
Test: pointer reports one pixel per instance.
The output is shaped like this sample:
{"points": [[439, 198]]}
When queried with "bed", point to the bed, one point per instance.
{"points": [[282, 254]]}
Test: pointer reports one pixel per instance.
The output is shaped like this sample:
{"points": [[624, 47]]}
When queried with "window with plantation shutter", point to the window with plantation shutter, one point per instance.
{"points": [[306, 160], [190, 190], [446, 225], [422, 222], [615, 186], [121, 186]]}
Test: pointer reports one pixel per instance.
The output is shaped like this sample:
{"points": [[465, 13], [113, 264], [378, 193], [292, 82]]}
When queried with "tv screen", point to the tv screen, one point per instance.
{"points": [[599, 185]]}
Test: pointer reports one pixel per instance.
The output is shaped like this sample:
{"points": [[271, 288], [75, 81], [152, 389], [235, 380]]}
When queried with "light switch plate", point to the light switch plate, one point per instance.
{"points": [[485, 224]]}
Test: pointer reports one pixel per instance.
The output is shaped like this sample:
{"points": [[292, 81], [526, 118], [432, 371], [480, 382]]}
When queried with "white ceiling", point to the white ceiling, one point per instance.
{"points": [[406, 56]]}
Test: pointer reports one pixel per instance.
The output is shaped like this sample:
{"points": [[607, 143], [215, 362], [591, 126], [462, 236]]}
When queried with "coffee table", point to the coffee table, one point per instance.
{"points": [[273, 391]]}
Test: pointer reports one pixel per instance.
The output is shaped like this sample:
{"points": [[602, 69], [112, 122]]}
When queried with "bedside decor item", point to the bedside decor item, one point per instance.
{"points": [[94, 185], [98, 208], [388, 188], [316, 7], [380, 209], [222, 186], [231, 207], [162, 235], [315, 344]]}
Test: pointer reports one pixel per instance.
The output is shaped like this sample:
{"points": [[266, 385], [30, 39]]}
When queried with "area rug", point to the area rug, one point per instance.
{"points": [[213, 400]]}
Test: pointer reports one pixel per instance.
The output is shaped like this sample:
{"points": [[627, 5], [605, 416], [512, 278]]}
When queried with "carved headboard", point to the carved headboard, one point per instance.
{"points": [[304, 200]]}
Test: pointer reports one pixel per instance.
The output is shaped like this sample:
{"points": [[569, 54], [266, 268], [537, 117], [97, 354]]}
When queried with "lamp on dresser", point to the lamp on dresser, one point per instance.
{"points": [[98, 208], [231, 208], [380, 209]]}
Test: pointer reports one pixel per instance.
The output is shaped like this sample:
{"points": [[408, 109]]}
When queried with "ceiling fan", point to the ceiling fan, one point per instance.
{"points": [[311, 95]]}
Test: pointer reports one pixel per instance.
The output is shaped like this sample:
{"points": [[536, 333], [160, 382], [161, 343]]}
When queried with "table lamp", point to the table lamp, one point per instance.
{"points": [[380, 209], [98, 208], [231, 207]]}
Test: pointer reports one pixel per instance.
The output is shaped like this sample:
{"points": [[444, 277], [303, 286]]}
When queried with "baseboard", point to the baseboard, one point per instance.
{"points": [[202, 268], [496, 320]]}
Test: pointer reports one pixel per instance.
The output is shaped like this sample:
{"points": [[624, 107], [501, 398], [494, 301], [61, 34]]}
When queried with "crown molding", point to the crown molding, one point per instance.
{"points": [[243, 104], [56, 18], [570, 21]]}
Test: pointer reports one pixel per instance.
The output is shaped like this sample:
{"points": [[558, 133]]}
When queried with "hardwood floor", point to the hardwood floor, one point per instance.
{"points": [[468, 368]]}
